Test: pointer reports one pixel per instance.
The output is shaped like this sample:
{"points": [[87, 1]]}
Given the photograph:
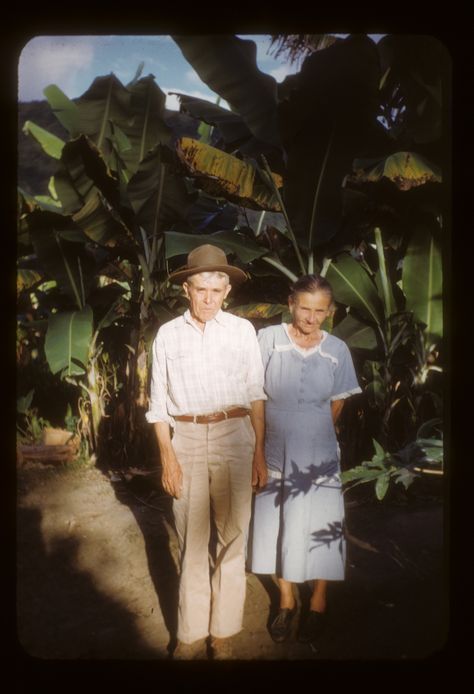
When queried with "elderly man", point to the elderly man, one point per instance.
{"points": [[207, 385]]}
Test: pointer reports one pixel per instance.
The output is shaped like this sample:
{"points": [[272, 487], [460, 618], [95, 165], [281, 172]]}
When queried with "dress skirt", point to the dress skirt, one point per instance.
{"points": [[297, 529]]}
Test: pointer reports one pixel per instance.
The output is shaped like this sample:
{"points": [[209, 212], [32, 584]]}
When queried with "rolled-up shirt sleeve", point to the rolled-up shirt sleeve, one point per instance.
{"points": [[158, 411], [255, 372]]}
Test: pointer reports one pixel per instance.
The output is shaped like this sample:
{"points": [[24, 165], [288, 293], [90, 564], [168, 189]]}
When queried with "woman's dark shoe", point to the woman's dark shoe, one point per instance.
{"points": [[280, 627], [312, 627]]}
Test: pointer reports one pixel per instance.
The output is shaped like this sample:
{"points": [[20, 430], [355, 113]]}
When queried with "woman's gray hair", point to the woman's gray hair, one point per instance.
{"points": [[312, 284]]}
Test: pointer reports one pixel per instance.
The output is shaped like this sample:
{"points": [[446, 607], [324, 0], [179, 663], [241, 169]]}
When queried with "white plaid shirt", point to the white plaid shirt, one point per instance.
{"points": [[196, 372]]}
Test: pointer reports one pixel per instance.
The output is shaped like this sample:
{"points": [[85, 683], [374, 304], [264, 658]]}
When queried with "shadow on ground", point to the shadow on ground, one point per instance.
{"points": [[97, 576]]}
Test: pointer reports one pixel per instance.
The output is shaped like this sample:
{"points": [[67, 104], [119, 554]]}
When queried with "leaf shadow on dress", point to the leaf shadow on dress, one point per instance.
{"points": [[302, 481], [299, 483]]}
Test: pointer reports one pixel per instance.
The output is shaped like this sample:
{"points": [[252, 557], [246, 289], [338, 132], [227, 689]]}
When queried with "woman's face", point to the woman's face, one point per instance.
{"points": [[309, 310]]}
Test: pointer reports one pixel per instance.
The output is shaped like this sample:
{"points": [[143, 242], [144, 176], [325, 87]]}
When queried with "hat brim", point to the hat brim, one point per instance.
{"points": [[236, 275]]}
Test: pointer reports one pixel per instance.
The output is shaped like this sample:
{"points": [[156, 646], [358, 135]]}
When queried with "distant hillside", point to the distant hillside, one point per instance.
{"points": [[35, 168]]}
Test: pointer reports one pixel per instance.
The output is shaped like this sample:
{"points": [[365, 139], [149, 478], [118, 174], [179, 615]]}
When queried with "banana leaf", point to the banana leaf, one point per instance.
{"points": [[46, 202], [422, 283], [146, 128], [416, 66], [158, 171], [65, 261], [82, 169], [208, 215], [230, 124], [228, 65], [51, 144], [224, 175], [97, 222], [88, 191], [383, 281], [111, 115], [234, 133], [406, 169], [259, 310], [230, 242], [353, 287], [356, 334], [67, 341], [25, 279], [321, 139], [65, 110]]}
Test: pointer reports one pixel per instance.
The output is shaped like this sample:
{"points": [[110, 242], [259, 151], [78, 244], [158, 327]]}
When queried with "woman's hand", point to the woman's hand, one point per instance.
{"points": [[259, 470]]}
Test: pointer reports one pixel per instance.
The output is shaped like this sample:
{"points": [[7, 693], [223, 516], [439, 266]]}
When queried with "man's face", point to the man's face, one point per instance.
{"points": [[206, 296]]}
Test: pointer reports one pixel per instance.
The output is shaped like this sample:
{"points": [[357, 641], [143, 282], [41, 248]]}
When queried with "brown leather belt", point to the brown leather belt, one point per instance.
{"points": [[213, 417]]}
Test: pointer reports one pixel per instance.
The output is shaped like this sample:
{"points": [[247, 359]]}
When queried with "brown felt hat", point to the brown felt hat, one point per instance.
{"points": [[207, 258]]}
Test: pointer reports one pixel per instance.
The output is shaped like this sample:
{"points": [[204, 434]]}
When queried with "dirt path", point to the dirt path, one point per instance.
{"points": [[97, 576]]}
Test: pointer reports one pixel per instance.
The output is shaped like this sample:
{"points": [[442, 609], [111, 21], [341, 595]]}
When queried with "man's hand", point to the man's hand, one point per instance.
{"points": [[259, 470], [172, 475]]}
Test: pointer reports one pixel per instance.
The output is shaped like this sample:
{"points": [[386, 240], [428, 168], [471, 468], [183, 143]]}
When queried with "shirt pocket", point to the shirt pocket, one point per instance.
{"points": [[178, 362], [231, 361], [234, 358]]}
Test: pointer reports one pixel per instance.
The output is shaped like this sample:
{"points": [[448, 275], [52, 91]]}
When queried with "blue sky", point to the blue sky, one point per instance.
{"points": [[72, 63]]}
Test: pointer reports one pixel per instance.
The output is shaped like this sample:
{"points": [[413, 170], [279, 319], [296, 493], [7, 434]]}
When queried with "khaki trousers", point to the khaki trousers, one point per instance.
{"points": [[216, 460]]}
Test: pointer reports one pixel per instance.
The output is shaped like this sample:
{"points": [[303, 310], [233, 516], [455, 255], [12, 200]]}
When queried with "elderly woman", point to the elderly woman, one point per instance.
{"points": [[297, 531]]}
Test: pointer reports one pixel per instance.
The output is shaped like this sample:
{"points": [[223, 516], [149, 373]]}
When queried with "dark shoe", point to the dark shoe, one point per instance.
{"points": [[221, 649], [312, 627], [280, 627], [190, 651]]}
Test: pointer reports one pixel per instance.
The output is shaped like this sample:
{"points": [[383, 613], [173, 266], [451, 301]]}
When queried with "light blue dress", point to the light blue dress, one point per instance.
{"points": [[297, 529]]}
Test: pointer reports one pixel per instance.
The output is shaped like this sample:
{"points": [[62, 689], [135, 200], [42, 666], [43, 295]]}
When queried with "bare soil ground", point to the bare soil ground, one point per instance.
{"points": [[97, 575]]}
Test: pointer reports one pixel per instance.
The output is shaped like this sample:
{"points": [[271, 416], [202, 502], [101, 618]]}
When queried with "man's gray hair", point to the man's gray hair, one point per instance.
{"points": [[211, 275]]}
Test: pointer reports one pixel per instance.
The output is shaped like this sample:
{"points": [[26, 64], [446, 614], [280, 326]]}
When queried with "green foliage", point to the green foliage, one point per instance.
{"points": [[422, 282], [250, 93], [70, 420], [359, 204], [358, 335], [30, 425], [65, 110], [353, 286], [68, 340], [406, 169], [401, 467], [243, 247], [51, 144], [23, 403]]}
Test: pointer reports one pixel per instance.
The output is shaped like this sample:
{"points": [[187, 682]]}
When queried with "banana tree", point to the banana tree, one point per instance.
{"points": [[302, 133], [115, 192], [107, 208], [394, 328], [318, 123]]}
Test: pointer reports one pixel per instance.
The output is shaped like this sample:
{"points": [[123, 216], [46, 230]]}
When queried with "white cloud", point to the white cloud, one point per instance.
{"points": [[52, 60], [262, 42], [192, 76], [172, 101], [279, 73]]}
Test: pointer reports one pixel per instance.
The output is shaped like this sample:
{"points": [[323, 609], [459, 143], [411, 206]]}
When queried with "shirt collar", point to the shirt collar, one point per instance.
{"points": [[220, 317]]}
